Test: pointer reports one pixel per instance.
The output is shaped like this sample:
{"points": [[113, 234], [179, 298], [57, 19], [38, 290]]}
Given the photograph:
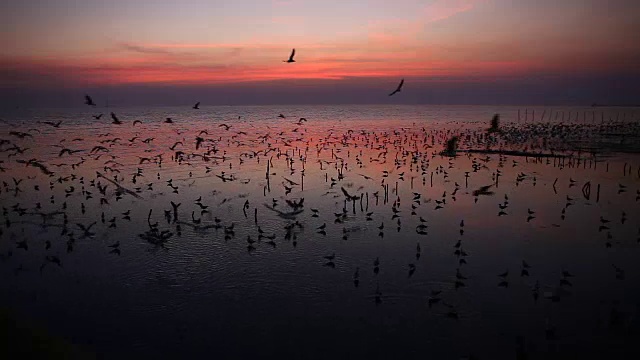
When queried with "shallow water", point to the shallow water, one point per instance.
{"points": [[204, 291]]}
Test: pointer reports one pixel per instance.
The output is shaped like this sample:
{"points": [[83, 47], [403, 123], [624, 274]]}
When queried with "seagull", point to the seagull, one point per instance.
{"points": [[88, 100], [483, 190], [293, 53], [115, 119], [398, 89], [495, 124], [197, 105], [55, 125]]}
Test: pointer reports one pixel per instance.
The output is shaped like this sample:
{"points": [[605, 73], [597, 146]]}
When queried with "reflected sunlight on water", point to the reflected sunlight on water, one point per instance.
{"points": [[249, 268]]}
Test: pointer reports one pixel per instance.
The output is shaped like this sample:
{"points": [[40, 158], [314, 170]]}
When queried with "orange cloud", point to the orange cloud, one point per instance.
{"points": [[140, 70]]}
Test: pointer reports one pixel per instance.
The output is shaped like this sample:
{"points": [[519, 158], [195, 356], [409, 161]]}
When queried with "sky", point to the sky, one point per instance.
{"points": [[232, 52]]}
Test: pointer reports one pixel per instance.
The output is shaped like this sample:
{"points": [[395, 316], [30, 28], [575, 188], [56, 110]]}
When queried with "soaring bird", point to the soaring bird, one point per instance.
{"points": [[398, 89], [115, 119], [452, 146], [88, 100], [97, 117], [483, 190], [293, 53], [495, 124], [55, 125], [197, 105]]}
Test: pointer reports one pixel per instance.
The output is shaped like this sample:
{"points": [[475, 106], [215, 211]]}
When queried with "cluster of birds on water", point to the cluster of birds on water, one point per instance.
{"points": [[85, 174]]}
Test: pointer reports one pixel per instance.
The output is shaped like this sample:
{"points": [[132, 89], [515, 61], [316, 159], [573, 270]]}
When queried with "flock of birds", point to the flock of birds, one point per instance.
{"points": [[89, 175]]}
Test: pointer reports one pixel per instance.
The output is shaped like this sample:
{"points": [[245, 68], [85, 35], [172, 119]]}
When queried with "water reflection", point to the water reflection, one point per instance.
{"points": [[263, 235]]}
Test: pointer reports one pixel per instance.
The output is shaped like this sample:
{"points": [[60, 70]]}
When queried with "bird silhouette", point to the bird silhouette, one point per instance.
{"points": [[88, 100], [291, 60], [115, 119], [398, 89]]}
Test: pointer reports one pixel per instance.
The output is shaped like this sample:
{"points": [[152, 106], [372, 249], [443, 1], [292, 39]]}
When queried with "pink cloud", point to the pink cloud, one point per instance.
{"points": [[444, 9]]}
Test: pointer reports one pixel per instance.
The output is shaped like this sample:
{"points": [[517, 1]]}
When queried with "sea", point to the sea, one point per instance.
{"points": [[322, 231]]}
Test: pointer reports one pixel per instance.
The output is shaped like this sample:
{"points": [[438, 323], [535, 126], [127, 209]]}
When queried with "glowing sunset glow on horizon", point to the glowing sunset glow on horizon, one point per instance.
{"points": [[216, 42]]}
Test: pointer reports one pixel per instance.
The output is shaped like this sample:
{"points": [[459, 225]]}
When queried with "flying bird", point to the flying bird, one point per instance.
{"points": [[293, 53], [197, 105], [483, 190], [398, 89], [55, 125], [88, 100], [495, 124], [115, 119]]}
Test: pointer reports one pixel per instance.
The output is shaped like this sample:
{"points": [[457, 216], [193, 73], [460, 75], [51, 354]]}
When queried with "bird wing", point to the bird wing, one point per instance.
{"points": [[345, 192], [293, 53], [495, 122], [400, 85]]}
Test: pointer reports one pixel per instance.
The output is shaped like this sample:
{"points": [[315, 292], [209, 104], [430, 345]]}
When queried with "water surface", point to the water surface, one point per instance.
{"points": [[266, 289]]}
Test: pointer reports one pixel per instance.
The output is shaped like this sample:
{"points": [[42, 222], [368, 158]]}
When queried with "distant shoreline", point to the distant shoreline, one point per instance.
{"points": [[613, 105]]}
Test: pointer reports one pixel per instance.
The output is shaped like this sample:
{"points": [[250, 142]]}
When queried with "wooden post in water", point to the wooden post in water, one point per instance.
{"points": [[367, 207]]}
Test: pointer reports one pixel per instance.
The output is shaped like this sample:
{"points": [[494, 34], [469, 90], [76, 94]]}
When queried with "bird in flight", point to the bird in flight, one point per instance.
{"points": [[197, 105], [88, 100], [115, 119], [293, 53], [398, 89], [483, 190], [495, 124], [55, 125]]}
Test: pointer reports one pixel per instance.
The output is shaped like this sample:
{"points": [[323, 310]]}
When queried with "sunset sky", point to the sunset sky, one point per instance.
{"points": [[453, 51]]}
